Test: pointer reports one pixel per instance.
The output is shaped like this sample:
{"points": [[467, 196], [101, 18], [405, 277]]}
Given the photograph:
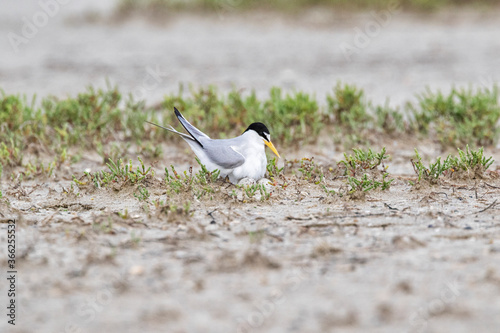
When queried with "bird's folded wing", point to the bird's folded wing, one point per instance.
{"points": [[224, 156], [196, 133]]}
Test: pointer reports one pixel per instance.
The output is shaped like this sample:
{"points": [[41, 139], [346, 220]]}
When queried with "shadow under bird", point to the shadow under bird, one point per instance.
{"points": [[236, 158]]}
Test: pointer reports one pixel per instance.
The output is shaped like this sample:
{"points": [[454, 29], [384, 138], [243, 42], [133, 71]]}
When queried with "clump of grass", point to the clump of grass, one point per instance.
{"points": [[310, 171], [471, 163], [36, 168], [119, 173], [201, 184], [39, 169], [468, 164], [161, 8], [141, 193], [363, 160], [358, 186], [357, 118], [93, 117], [463, 116], [264, 194], [125, 215], [272, 168], [433, 172], [125, 172], [295, 117], [389, 120], [348, 108], [10, 154], [365, 171], [367, 183], [276, 174], [251, 191]]}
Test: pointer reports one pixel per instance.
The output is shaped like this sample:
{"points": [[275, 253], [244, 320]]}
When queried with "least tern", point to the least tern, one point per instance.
{"points": [[236, 158]]}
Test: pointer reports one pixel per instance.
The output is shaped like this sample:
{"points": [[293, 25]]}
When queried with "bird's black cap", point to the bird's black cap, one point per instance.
{"points": [[260, 128]]}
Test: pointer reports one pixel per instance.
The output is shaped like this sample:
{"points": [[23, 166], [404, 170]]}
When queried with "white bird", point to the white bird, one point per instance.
{"points": [[236, 158]]}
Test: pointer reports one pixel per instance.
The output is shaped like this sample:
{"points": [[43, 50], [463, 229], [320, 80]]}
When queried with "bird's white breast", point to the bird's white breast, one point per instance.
{"points": [[253, 149]]}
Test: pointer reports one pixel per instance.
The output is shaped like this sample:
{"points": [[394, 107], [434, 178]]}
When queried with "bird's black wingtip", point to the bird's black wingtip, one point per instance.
{"points": [[177, 113]]}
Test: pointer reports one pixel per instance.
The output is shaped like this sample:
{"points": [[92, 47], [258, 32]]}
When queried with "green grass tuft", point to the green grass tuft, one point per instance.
{"points": [[119, 173], [464, 116], [365, 171], [348, 107], [468, 164], [160, 8], [201, 184]]}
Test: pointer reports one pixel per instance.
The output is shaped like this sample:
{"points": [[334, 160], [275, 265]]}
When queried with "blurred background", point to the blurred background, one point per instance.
{"points": [[391, 49]]}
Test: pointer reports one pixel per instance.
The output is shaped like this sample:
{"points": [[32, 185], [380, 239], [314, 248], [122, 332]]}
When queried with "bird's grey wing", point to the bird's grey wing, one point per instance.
{"points": [[219, 152], [195, 133], [223, 155]]}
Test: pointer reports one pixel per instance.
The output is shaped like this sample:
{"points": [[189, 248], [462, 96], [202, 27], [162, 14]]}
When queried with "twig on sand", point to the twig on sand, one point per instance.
{"points": [[299, 218], [492, 186], [391, 208], [489, 206], [432, 193], [334, 224], [210, 214]]}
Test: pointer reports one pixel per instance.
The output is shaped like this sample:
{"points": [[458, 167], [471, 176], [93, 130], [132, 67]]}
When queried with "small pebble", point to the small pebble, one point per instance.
{"points": [[136, 270]]}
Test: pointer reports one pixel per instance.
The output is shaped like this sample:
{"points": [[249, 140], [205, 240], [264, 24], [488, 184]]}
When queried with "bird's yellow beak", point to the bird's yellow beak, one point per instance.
{"points": [[271, 146]]}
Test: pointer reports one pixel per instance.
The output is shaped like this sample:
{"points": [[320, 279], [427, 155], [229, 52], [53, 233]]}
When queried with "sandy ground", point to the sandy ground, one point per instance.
{"points": [[403, 260]]}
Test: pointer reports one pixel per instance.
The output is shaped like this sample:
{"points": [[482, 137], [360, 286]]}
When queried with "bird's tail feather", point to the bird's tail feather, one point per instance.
{"points": [[171, 129]]}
